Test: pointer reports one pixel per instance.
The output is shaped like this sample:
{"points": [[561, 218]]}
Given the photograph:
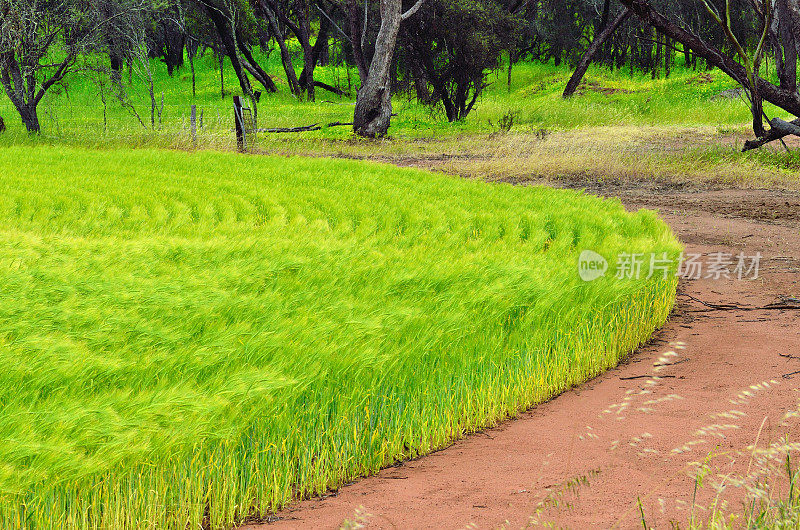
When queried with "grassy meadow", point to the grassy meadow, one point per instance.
{"points": [[76, 112], [194, 338], [620, 126]]}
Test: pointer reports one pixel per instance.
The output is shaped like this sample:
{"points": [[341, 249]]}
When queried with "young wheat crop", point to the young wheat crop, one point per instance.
{"points": [[194, 338]]}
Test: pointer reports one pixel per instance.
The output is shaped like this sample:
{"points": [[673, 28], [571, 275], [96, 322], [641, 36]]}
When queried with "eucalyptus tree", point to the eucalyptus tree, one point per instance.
{"points": [[167, 32], [299, 16], [373, 112]]}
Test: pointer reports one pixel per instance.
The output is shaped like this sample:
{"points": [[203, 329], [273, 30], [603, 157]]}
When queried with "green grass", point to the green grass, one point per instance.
{"points": [[75, 113], [622, 127], [194, 338]]}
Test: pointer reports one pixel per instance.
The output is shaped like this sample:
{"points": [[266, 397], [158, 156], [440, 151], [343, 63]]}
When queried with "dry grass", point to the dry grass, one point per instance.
{"points": [[679, 157], [698, 157]]}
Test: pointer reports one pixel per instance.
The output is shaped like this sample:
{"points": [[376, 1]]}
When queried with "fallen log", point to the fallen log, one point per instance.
{"points": [[306, 128], [785, 127], [329, 88], [780, 129]]}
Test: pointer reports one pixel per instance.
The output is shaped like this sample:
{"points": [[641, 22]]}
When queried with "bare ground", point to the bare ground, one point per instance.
{"points": [[709, 386]]}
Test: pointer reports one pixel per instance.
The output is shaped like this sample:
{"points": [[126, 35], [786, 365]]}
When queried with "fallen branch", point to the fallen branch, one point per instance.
{"points": [[306, 128], [780, 129], [647, 377], [778, 306]]}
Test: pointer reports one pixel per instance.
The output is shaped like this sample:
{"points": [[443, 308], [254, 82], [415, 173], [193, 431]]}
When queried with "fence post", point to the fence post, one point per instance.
{"points": [[161, 110], [239, 119], [193, 120]]}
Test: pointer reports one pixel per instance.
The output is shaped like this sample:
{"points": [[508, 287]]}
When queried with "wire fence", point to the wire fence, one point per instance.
{"points": [[173, 125]]}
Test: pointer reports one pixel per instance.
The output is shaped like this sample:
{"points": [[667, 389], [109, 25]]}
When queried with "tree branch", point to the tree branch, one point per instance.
{"points": [[411, 12], [788, 101], [780, 129]]}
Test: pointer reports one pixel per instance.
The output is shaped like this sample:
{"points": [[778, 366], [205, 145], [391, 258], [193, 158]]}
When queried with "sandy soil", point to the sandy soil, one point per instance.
{"points": [[709, 385]]}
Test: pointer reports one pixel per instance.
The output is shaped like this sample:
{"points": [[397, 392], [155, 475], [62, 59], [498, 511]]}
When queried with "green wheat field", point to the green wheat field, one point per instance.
{"points": [[197, 338]]}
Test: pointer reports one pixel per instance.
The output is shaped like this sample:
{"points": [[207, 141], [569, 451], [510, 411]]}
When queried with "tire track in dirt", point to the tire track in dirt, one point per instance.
{"points": [[696, 399]]}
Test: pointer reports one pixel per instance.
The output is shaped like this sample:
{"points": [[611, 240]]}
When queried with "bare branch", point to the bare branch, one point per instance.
{"points": [[411, 12]]}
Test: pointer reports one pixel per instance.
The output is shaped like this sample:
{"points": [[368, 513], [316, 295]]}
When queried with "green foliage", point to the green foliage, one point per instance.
{"points": [[191, 338], [454, 61]]}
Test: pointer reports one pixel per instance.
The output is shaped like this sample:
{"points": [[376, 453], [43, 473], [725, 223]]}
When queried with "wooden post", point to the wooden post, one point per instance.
{"points": [[193, 120], [239, 121]]}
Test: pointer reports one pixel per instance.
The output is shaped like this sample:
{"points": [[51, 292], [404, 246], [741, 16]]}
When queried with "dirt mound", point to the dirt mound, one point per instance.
{"points": [[594, 86], [703, 78]]}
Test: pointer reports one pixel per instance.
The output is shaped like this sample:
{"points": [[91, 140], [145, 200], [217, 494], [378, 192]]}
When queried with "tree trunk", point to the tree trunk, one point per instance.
{"points": [[250, 64], [175, 42], [312, 57], [587, 58], [228, 38], [222, 75], [787, 37], [793, 7], [116, 65], [194, 76], [604, 20], [304, 36], [286, 56], [374, 103], [354, 16], [659, 54], [30, 118]]}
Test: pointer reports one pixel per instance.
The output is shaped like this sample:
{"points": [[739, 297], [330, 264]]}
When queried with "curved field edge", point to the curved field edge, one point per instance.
{"points": [[199, 338]]}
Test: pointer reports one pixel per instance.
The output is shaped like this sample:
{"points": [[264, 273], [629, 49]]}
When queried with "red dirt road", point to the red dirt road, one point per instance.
{"points": [[712, 382]]}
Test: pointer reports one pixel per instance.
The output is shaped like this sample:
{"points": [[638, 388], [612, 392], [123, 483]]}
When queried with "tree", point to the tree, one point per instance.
{"points": [[167, 33], [231, 20], [594, 48], [296, 15], [40, 42], [746, 75], [374, 101], [455, 61]]}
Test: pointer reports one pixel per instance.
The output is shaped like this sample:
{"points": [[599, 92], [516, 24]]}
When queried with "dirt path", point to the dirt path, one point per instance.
{"points": [[708, 384]]}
